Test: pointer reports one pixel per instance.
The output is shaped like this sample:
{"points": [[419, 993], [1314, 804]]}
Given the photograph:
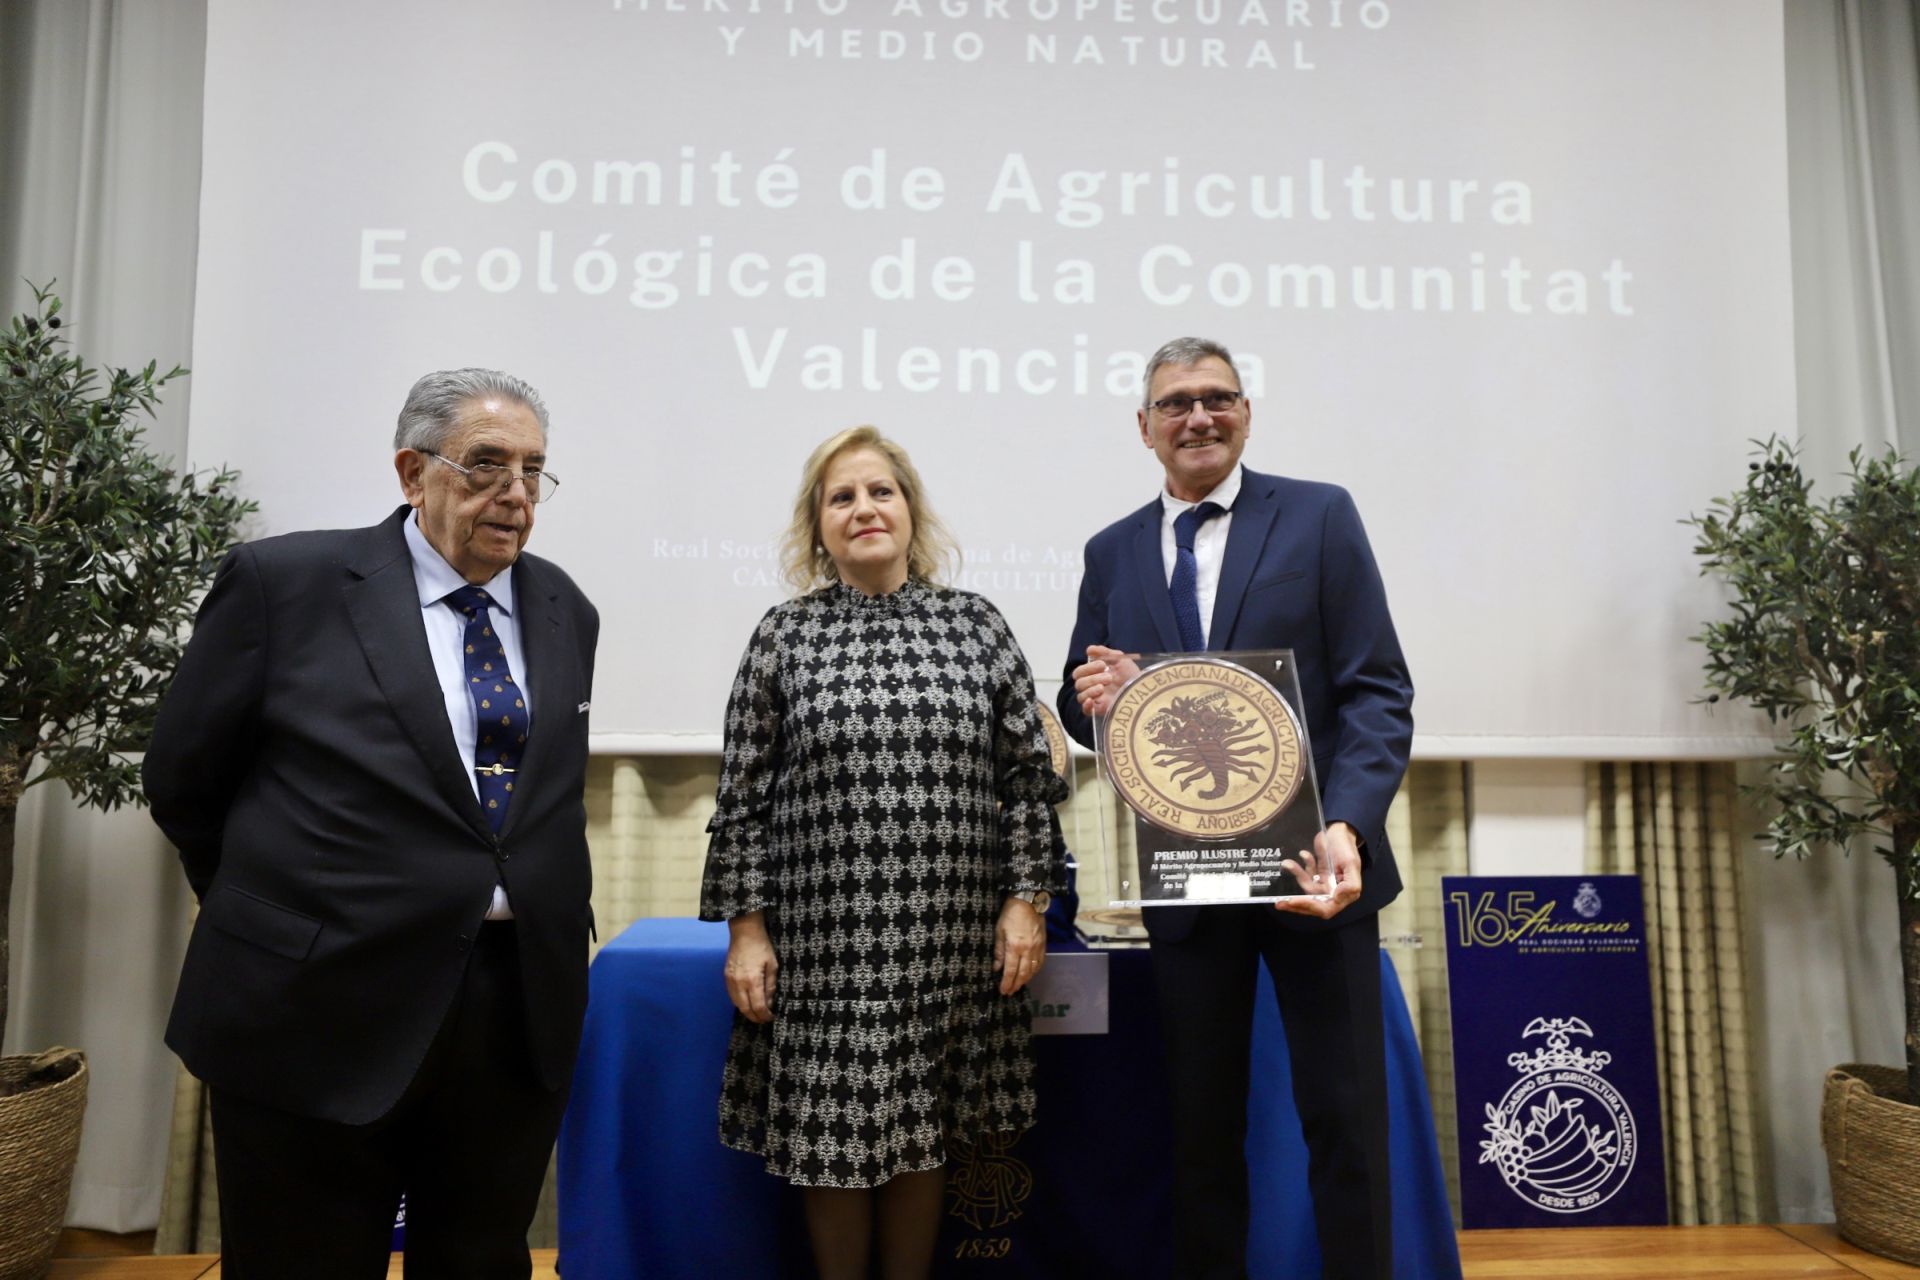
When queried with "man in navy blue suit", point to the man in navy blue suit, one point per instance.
{"points": [[1273, 563]]}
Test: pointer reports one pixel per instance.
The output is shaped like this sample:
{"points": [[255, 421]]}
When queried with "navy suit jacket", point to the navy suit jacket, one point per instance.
{"points": [[304, 766], [1298, 574]]}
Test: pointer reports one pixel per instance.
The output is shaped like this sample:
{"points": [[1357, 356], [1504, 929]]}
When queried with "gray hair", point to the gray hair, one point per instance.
{"points": [[1182, 353], [435, 402]]}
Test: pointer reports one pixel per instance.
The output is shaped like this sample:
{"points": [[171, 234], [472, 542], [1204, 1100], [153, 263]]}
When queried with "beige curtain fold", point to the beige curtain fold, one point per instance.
{"points": [[189, 1200], [1673, 826], [647, 825], [1428, 828]]}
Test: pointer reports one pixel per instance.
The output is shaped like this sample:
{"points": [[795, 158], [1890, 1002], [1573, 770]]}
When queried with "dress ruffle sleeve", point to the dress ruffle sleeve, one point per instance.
{"points": [[1033, 852], [739, 853]]}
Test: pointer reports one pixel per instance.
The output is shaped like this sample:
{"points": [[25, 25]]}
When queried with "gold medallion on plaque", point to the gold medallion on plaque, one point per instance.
{"points": [[1203, 747], [1056, 741]]}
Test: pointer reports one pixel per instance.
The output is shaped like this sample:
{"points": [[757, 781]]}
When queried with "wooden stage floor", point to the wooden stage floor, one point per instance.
{"points": [[1804, 1252]]}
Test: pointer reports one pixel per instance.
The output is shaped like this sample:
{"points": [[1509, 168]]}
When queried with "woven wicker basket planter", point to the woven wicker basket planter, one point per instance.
{"points": [[1873, 1157], [39, 1140]]}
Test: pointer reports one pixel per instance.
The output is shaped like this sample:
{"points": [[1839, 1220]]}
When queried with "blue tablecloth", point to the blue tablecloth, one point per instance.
{"points": [[647, 1190]]}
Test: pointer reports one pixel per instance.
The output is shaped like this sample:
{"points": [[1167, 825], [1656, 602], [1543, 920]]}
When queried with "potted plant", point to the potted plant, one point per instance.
{"points": [[1825, 638], [104, 552]]}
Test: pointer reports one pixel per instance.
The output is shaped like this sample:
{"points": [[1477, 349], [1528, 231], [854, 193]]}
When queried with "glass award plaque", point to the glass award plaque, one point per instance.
{"points": [[1088, 818], [1059, 750], [1208, 754]]}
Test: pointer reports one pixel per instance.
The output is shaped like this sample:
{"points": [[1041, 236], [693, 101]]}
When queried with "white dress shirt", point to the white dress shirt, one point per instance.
{"points": [[1209, 544], [435, 580]]}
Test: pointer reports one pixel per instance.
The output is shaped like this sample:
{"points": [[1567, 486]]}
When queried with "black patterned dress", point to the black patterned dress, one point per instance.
{"points": [[886, 784]]}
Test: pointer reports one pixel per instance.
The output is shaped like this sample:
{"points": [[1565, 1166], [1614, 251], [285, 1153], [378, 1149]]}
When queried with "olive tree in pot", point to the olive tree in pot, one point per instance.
{"points": [[1824, 636], [104, 552]]}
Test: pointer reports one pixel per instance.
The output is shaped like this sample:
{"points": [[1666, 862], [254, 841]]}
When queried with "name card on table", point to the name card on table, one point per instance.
{"points": [[1070, 996]]}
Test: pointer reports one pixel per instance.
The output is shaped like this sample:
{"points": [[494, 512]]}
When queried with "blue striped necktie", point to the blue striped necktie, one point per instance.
{"points": [[499, 706], [1186, 574]]}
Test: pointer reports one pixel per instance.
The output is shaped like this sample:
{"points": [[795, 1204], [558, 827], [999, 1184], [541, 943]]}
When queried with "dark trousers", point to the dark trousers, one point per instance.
{"points": [[1328, 984], [468, 1143]]}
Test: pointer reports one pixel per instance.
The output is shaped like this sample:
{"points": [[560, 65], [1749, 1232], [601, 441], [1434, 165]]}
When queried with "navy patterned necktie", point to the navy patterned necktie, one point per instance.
{"points": [[500, 709], [1186, 574]]}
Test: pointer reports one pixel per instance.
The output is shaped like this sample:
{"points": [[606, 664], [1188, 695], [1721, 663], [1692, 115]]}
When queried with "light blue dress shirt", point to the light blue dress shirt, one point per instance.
{"points": [[435, 580]]}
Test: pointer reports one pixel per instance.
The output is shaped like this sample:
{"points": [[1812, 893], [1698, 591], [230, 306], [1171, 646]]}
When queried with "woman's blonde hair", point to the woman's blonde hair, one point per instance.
{"points": [[802, 556]]}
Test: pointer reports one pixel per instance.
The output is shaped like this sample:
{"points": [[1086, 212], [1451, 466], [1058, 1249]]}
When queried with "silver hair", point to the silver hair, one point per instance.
{"points": [[435, 402], [1181, 353]]}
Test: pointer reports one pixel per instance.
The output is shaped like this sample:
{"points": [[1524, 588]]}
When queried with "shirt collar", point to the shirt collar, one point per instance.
{"points": [[436, 579], [1223, 495]]}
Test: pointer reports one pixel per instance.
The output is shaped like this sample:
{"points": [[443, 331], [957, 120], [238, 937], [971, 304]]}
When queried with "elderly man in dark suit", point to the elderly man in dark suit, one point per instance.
{"points": [[372, 761], [1225, 558]]}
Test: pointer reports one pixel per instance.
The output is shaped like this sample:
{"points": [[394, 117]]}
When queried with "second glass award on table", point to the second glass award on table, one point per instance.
{"points": [[1209, 753]]}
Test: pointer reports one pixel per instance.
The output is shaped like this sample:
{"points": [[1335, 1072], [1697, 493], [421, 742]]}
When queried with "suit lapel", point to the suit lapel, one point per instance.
{"points": [[554, 696], [1151, 564], [384, 604], [1253, 516]]}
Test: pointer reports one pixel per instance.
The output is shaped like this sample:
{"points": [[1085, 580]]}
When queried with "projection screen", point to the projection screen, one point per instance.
{"points": [[1513, 271]]}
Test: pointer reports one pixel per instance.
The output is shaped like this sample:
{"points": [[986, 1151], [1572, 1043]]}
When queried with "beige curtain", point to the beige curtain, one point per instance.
{"points": [[1673, 825], [189, 1201], [1428, 828], [646, 822]]}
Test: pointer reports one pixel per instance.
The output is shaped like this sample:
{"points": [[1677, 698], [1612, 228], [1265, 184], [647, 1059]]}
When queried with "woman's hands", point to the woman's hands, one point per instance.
{"points": [[751, 966], [1019, 944], [1019, 949]]}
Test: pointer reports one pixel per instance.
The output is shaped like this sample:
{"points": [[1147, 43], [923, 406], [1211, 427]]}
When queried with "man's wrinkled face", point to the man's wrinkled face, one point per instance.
{"points": [[478, 531], [1199, 449]]}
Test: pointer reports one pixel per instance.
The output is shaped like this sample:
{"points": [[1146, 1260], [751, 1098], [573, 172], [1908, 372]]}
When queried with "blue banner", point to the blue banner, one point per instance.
{"points": [[1554, 1054]]}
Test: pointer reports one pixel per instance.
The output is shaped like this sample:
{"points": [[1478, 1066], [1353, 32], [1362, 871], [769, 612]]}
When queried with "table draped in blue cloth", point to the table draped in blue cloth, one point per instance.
{"points": [[646, 1189]]}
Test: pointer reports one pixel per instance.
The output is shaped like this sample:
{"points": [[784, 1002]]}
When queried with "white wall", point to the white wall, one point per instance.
{"points": [[1527, 817]]}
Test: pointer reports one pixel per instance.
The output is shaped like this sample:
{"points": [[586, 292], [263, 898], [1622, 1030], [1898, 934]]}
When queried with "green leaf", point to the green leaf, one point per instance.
{"points": [[104, 554], [1822, 634]]}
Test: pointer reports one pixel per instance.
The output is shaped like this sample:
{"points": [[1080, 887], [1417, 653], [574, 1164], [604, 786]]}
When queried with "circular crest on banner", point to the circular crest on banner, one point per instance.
{"points": [[1203, 747], [1056, 741], [1563, 1137]]}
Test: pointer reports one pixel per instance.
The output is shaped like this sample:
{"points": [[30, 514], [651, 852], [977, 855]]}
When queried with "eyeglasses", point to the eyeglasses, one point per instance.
{"points": [[483, 476], [1177, 407]]}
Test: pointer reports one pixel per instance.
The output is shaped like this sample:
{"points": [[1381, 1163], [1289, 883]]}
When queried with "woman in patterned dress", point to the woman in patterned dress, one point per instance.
{"points": [[883, 850]]}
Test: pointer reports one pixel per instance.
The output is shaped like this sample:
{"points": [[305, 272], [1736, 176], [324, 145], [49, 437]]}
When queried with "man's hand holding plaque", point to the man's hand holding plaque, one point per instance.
{"points": [[1097, 680], [1330, 874]]}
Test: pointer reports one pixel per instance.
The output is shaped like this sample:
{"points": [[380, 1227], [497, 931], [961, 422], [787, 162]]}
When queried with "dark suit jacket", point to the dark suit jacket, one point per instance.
{"points": [[305, 767], [1298, 574]]}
